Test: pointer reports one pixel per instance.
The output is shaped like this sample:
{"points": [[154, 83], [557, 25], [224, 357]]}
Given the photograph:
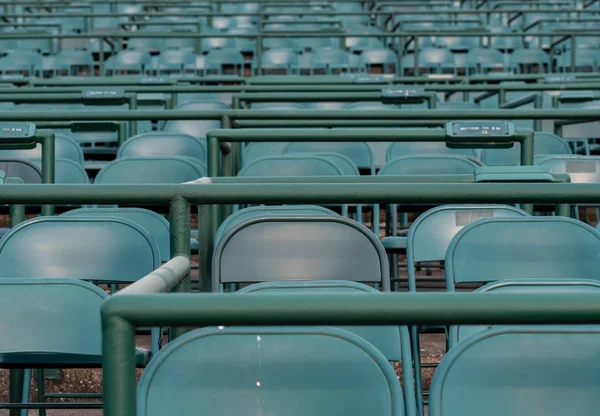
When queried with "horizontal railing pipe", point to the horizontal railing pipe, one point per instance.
{"points": [[116, 115], [270, 193], [161, 280]]}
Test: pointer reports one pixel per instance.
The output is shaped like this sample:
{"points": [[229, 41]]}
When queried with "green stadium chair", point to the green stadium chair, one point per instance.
{"points": [[272, 370], [531, 60], [129, 62], [268, 211], [398, 149], [547, 370], [291, 165], [279, 61], [544, 144], [176, 62], [225, 61], [24, 169], [494, 249], [371, 59], [392, 341], [64, 147], [73, 63], [50, 323], [307, 247], [485, 60], [197, 128], [163, 144], [171, 169], [62, 248], [346, 165], [360, 153], [329, 61], [24, 62], [156, 225], [66, 171], [458, 333]]}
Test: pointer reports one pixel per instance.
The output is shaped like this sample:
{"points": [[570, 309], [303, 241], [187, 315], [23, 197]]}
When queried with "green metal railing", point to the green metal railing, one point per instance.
{"points": [[384, 190], [216, 138], [122, 314], [39, 96], [248, 98]]}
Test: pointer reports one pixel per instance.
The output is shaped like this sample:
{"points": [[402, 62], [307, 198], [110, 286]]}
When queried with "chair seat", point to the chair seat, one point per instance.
{"points": [[394, 244], [53, 360]]}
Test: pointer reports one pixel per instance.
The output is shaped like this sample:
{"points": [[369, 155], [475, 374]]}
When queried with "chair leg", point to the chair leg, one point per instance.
{"points": [[416, 350], [26, 390], [16, 386], [41, 390]]}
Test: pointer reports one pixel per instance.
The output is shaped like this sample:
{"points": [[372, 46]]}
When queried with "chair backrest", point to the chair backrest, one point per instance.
{"points": [[586, 60], [280, 59], [385, 338], [67, 171], [461, 332], [346, 165], [527, 248], [358, 152], [291, 165], [269, 210], [129, 62], [64, 147], [484, 60], [431, 233], [384, 57], [27, 170], [164, 144], [429, 165], [217, 60], [543, 144], [329, 58], [581, 169], [156, 225], [529, 60], [298, 247], [392, 341], [397, 149], [272, 370], [51, 316], [176, 61], [171, 169], [73, 62], [196, 128], [538, 370], [96, 249]]}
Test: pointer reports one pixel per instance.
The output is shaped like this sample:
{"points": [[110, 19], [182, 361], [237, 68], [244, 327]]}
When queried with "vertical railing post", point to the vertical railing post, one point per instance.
{"points": [[527, 160], [133, 105], [48, 168], [539, 99], [118, 366], [180, 218]]}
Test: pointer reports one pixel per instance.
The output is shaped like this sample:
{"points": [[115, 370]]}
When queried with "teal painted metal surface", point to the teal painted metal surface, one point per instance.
{"points": [[46, 140], [301, 86], [503, 371], [122, 314], [459, 333], [156, 225], [286, 193], [532, 247], [545, 114], [94, 249], [265, 369], [328, 248]]}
